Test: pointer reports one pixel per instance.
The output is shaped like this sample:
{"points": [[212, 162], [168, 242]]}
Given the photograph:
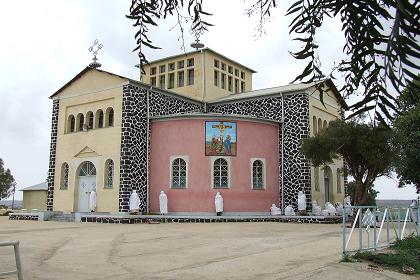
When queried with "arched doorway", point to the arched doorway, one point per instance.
{"points": [[327, 183], [87, 183]]}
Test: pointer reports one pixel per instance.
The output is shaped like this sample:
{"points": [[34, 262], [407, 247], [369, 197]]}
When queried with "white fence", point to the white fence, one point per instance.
{"points": [[373, 228], [18, 270]]}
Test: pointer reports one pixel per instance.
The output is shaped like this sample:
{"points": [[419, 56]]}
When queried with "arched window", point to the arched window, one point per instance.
{"points": [[109, 117], [71, 124], [325, 125], [319, 125], [316, 178], [257, 175], [220, 173], [338, 181], [87, 169], [99, 119], [109, 174], [179, 173], [80, 122], [64, 184], [89, 118], [314, 125], [328, 183]]}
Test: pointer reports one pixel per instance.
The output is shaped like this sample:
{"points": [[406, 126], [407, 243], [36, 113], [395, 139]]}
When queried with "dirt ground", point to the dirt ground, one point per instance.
{"points": [[55, 250]]}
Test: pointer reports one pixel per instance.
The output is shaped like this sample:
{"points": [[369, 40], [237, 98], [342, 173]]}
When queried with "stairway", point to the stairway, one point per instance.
{"points": [[61, 217]]}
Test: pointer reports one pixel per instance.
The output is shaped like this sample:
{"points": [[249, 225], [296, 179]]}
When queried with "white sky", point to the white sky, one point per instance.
{"points": [[45, 43]]}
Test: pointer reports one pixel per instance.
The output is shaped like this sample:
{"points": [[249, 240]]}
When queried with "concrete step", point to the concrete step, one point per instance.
{"points": [[62, 218]]}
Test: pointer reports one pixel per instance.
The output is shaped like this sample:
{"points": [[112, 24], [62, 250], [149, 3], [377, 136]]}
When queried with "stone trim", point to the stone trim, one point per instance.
{"points": [[53, 147]]}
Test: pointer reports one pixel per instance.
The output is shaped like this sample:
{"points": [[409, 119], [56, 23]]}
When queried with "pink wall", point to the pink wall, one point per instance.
{"points": [[186, 138]]}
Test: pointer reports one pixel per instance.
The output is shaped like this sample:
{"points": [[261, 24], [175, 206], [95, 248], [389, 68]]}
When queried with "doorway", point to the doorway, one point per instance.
{"points": [[87, 184]]}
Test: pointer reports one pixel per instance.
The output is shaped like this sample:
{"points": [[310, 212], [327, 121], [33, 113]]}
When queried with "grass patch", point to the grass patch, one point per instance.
{"points": [[404, 254]]}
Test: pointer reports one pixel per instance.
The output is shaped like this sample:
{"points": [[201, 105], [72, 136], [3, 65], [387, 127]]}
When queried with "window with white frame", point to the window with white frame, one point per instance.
{"points": [[178, 173], [220, 173], [258, 174], [64, 184], [109, 174]]}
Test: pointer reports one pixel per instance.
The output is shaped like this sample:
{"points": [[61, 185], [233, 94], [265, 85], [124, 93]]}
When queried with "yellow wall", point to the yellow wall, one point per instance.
{"points": [[36, 199], [329, 112], [94, 90], [197, 91]]}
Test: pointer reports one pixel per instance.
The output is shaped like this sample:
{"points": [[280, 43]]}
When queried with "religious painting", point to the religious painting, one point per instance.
{"points": [[220, 138]]}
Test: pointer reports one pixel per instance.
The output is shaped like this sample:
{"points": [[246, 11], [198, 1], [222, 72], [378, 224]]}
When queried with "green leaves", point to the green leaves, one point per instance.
{"points": [[379, 59], [6, 181], [365, 148]]}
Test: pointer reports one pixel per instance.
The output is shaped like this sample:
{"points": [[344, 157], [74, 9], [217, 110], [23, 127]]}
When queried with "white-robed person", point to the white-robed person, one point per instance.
{"points": [[301, 202], [218, 203], [163, 203], [92, 201], [134, 202]]}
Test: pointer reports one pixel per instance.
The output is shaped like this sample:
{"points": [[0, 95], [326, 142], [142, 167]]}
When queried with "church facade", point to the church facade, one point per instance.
{"points": [[193, 127]]}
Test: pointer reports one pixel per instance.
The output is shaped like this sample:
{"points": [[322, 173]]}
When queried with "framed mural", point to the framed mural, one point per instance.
{"points": [[221, 138]]}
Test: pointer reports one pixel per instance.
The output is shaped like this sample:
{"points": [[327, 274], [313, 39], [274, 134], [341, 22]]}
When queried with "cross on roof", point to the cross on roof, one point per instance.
{"points": [[94, 49]]}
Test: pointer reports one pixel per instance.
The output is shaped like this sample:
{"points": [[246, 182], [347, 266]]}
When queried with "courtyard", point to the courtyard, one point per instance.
{"points": [[59, 250]]}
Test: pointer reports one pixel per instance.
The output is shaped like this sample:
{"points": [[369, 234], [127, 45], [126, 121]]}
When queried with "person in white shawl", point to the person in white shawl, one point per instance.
{"points": [[92, 201], [218, 203], [163, 203], [301, 202], [134, 202], [274, 210]]}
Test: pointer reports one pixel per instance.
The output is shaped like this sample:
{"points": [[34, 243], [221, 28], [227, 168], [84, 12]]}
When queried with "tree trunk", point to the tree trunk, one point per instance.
{"points": [[360, 193]]}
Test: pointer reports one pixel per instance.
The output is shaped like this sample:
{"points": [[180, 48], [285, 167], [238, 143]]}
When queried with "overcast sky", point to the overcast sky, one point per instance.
{"points": [[45, 43]]}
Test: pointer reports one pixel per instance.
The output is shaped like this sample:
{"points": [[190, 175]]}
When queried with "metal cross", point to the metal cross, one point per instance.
{"points": [[94, 49]]}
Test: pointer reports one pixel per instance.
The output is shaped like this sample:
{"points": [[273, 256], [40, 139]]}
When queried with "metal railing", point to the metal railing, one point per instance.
{"points": [[377, 227], [18, 270]]}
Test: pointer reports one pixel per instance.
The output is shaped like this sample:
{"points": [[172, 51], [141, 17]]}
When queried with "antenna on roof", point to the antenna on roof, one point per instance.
{"points": [[94, 49]]}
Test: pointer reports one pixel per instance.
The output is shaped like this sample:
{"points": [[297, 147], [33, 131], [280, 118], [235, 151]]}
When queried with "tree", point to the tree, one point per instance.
{"points": [[7, 181], [365, 149], [371, 196], [381, 41], [406, 138]]}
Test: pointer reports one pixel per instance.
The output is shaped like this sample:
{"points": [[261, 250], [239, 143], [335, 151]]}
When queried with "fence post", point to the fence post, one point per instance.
{"points": [[399, 225], [344, 230], [360, 230], [374, 229], [18, 263], [387, 227]]}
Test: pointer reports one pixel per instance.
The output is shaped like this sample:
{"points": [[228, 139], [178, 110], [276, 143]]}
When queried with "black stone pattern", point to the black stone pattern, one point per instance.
{"points": [[135, 139], [296, 127], [27, 217], [53, 146], [218, 219]]}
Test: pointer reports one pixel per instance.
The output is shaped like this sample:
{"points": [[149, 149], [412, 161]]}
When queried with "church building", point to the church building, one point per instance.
{"points": [[191, 126]]}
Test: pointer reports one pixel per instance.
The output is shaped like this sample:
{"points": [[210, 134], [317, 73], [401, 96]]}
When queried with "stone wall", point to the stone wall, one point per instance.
{"points": [[53, 146]]}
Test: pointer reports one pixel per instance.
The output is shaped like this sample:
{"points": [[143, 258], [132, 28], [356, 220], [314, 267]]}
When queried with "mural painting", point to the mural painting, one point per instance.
{"points": [[221, 138]]}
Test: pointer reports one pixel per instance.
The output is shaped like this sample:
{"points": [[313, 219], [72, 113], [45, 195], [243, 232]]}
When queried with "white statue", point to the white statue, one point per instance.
{"points": [[163, 203], [134, 202], [301, 201], [316, 209], [92, 201], [218, 203], [347, 203], [289, 211], [275, 210], [339, 207], [414, 210], [330, 209]]}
